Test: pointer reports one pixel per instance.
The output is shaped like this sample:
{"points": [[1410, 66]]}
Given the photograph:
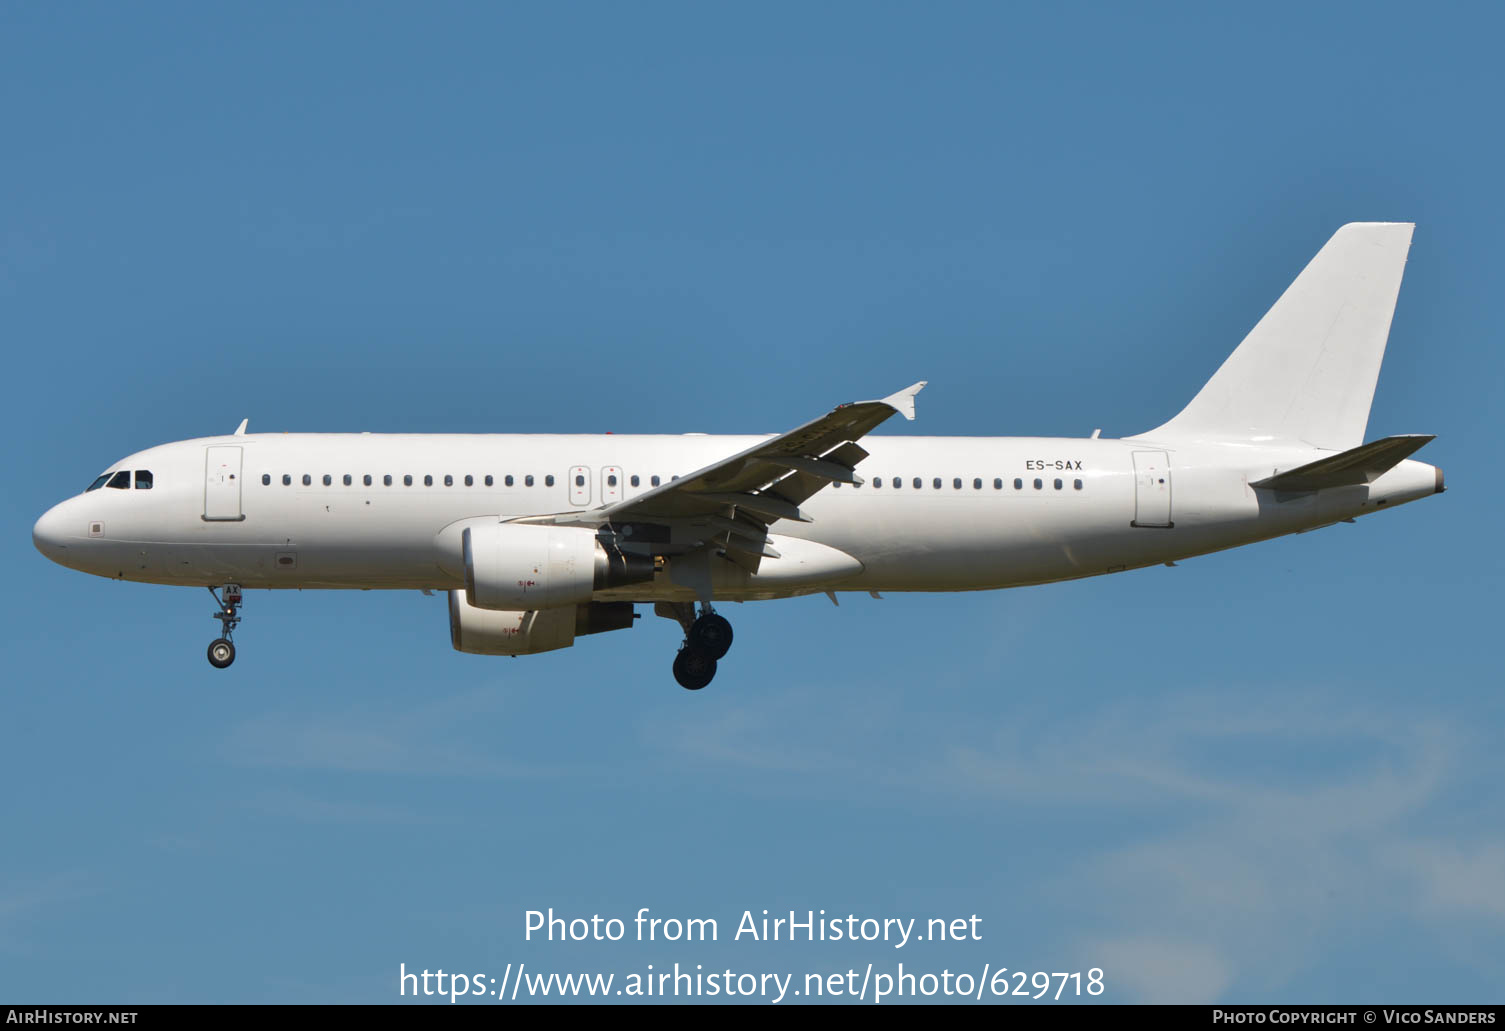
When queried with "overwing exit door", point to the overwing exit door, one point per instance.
{"points": [[580, 485], [222, 484], [1152, 489], [611, 485]]}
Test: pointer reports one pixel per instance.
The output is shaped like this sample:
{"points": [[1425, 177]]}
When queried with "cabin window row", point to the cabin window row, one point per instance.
{"points": [[408, 480], [957, 483]]}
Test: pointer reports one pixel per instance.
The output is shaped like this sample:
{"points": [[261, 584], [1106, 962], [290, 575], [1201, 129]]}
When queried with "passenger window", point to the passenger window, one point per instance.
{"points": [[1077, 484], [977, 483], [548, 481], [998, 483], [347, 479], [918, 483], [1018, 483], [877, 482], [366, 479], [328, 480], [898, 482], [654, 481], [469, 480], [386, 481], [835, 484], [1039, 483], [936, 483], [407, 479], [100, 482], [528, 480], [287, 481], [308, 481], [1058, 485], [956, 484], [266, 480], [611, 481], [428, 481], [488, 480], [580, 480], [634, 481], [507, 480], [449, 481]]}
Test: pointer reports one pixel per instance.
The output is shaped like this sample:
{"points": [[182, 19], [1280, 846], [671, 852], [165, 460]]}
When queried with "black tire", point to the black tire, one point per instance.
{"points": [[693, 668], [221, 653], [712, 634]]}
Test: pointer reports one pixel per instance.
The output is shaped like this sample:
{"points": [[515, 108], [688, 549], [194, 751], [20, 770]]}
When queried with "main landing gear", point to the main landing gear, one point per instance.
{"points": [[708, 637], [222, 649]]}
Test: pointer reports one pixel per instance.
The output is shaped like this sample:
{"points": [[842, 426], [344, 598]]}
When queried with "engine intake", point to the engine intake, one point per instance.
{"points": [[522, 567]]}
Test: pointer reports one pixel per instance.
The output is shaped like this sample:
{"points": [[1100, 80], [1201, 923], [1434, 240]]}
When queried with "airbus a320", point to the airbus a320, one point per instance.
{"points": [[542, 539]]}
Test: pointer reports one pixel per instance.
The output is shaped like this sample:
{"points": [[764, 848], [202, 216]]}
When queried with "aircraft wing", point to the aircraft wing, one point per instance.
{"points": [[738, 497]]}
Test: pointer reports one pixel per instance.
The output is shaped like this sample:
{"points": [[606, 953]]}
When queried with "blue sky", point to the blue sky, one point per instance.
{"points": [[1266, 775]]}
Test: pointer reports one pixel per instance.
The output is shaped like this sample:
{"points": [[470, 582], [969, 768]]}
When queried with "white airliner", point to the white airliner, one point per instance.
{"points": [[540, 539]]}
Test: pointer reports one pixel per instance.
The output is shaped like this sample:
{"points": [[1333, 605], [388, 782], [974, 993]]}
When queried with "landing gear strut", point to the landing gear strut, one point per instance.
{"points": [[222, 649], [708, 637]]}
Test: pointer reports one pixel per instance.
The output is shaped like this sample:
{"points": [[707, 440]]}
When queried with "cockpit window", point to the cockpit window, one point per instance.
{"points": [[143, 479], [121, 480], [97, 483]]}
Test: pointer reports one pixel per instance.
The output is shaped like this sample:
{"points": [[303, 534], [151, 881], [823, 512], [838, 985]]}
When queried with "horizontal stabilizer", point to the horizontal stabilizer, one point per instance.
{"points": [[1363, 464]]}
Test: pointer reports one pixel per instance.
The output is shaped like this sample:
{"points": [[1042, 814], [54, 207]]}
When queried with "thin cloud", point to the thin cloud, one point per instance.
{"points": [[1159, 971], [1252, 839], [1455, 879], [324, 811], [435, 738], [23, 900]]}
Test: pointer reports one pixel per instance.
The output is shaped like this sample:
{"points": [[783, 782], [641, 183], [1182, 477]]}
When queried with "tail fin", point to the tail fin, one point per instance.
{"points": [[1306, 372]]}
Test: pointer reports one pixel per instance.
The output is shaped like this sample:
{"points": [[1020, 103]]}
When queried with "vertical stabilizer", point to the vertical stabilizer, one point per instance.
{"points": [[1306, 373]]}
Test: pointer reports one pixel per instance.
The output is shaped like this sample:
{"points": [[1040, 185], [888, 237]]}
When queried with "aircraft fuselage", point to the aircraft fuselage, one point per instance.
{"points": [[935, 513]]}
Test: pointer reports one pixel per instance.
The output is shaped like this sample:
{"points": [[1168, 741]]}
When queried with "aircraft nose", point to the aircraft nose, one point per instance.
{"points": [[49, 535]]}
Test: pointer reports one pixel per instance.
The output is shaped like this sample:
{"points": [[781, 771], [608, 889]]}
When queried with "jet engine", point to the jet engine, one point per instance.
{"points": [[521, 567], [504, 632]]}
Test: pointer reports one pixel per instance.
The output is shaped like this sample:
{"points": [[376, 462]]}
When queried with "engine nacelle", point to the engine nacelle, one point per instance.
{"points": [[520, 567], [502, 632]]}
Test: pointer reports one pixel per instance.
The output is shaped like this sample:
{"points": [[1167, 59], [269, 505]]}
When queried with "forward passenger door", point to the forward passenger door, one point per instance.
{"points": [[222, 484]]}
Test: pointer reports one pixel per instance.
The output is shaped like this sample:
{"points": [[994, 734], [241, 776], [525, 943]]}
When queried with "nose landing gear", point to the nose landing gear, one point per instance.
{"points": [[222, 649], [708, 637], [221, 652]]}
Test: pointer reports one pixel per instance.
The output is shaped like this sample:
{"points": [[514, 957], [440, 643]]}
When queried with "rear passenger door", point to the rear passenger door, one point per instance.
{"points": [[1152, 489]]}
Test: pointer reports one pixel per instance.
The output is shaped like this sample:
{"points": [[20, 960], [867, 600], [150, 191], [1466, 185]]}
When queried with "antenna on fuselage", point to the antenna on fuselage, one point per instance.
{"points": [[240, 431]]}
